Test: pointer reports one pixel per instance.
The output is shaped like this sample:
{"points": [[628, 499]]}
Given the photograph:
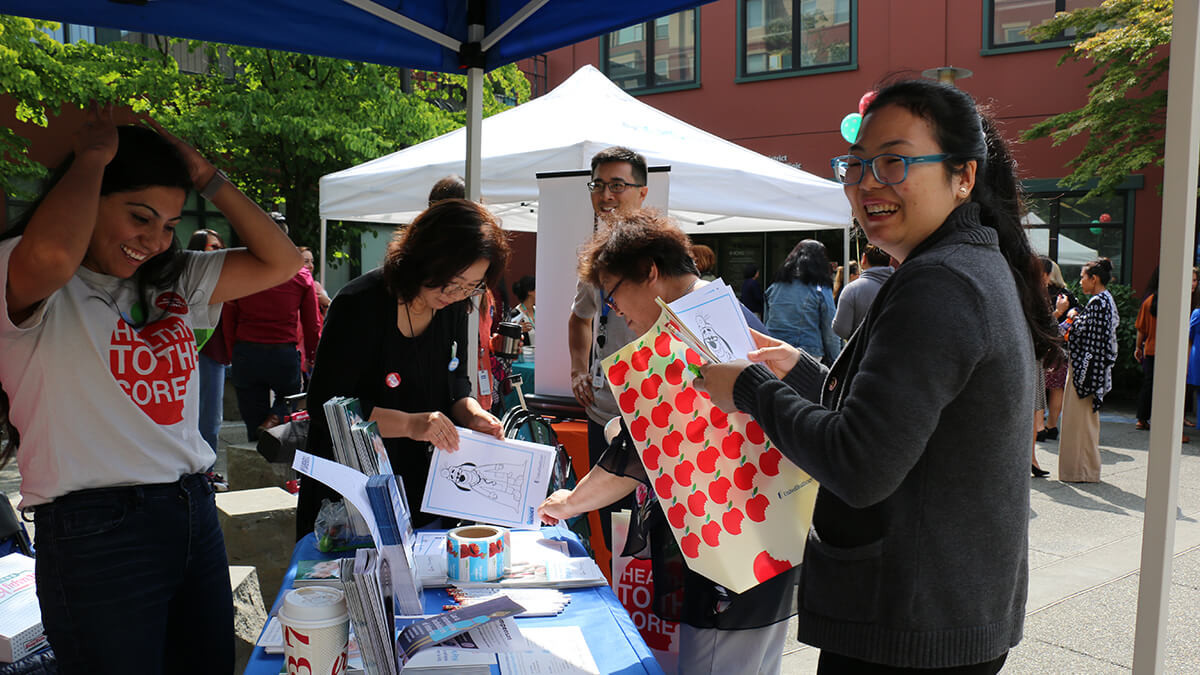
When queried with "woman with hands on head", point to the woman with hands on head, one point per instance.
{"points": [[395, 338], [640, 257], [100, 392], [919, 433]]}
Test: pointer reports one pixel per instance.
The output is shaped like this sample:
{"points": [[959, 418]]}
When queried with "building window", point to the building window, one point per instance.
{"points": [[1010, 20], [1073, 232], [780, 36], [657, 54]]}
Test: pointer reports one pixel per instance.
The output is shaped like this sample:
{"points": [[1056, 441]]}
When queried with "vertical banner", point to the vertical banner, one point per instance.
{"points": [[633, 582], [565, 222]]}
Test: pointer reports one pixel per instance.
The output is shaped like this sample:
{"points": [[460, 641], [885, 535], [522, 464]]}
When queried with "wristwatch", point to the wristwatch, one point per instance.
{"points": [[210, 189]]}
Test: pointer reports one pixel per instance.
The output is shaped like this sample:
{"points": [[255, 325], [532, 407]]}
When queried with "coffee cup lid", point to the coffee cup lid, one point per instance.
{"points": [[313, 603]]}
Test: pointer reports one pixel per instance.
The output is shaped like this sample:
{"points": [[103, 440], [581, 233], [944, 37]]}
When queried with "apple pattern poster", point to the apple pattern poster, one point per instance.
{"points": [[740, 512]]}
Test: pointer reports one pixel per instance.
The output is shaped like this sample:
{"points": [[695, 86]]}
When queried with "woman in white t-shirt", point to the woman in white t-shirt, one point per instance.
{"points": [[101, 392]]}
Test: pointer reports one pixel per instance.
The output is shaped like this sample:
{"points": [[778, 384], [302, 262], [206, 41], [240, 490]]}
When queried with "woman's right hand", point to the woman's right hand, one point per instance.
{"points": [[1061, 304], [777, 355], [555, 508], [98, 136], [435, 428]]}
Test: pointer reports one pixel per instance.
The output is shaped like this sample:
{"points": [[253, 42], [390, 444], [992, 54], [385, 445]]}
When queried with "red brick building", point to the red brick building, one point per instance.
{"points": [[778, 76]]}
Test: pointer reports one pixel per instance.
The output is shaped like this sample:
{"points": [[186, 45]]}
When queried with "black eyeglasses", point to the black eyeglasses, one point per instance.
{"points": [[615, 187], [461, 291], [889, 168], [608, 299]]}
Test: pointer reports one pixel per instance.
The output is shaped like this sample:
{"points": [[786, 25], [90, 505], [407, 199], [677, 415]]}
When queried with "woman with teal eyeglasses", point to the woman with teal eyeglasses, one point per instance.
{"points": [[919, 433], [396, 339]]}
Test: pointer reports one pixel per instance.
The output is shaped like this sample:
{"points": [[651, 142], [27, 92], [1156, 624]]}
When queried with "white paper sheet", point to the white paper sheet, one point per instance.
{"points": [[714, 314], [347, 482]]}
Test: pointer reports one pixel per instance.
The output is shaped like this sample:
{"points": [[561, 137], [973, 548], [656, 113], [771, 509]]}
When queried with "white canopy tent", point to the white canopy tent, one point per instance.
{"points": [[716, 186]]}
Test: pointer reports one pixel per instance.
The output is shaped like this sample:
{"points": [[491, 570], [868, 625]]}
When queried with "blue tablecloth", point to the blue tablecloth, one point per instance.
{"points": [[525, 370], [611, 636]]}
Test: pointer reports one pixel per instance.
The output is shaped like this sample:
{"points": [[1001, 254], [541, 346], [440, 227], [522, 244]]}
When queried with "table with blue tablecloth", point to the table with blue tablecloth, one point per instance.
{"points": [[610, 634]]}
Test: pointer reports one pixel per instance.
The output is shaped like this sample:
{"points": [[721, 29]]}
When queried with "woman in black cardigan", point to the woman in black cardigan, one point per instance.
{"points": [[396, 339]]}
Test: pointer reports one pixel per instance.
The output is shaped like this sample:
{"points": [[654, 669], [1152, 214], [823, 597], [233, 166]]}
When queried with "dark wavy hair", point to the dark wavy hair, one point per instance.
{"points": [[524, 286], [444, 240], [199, 240], [627, 244], [808, 263], [143, 160], [1102, 269], [966, 133]]}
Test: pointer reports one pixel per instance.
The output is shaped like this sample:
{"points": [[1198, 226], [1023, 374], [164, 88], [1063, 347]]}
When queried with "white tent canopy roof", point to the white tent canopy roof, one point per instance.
{"points": [[726, 187]]}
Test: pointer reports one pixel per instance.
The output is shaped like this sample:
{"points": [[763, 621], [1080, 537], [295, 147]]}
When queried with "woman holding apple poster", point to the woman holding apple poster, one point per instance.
{"points": [[642, 256], [919, 433]]}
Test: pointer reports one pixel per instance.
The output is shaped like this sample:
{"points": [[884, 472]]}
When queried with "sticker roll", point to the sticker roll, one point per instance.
{"points": [[477, 553]]}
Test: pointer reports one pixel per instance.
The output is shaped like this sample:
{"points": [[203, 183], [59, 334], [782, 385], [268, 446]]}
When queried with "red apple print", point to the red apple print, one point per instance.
{"points": [[671, 443], [650, 457], [617, 373], [685, 401], [719, 419], [732, 519], [650, 386], [690, 545], [743, 476], [731, 445], [674, 372], [756, 508], [683, 473], [641, 359], [676, 514], [766, 567], [712, 533], [719, 490], [755, 433], [693, 357], [695, 430], [769, 462], [696, 502], [662, 344], [639, 427], [663, 486], [628, 400], [706, 459], [661, 414]]}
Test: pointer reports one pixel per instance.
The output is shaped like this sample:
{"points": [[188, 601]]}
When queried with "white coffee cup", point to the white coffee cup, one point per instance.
{"points": [[316, 628]]}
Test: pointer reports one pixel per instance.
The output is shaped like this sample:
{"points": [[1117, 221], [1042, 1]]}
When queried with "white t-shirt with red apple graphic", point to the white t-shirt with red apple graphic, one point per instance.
{"points": [[97, 402]]}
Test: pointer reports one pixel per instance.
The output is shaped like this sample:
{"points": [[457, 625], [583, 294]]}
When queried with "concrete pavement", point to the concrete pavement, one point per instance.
{"points": [[1084, 555]]}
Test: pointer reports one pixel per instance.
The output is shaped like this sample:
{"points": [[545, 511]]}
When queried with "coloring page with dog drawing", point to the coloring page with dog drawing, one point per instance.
{"points": [[489, 480]]}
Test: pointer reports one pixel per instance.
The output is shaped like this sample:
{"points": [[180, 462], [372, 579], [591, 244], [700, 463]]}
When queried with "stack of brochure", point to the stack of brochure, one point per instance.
{"points": [[370, 609], [710, 320], [536, 601], [389, 505], [356, 444]]}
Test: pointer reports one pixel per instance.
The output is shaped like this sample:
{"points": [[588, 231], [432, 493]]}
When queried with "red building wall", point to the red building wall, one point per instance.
{"points": [[799, 117]]}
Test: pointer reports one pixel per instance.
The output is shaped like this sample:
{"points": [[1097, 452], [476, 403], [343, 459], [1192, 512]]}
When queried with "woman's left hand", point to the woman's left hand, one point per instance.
{"points": [[200, 169], [717, 380], [486, 423]]}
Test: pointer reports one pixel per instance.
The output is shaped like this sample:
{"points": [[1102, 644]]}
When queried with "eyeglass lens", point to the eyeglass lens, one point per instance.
{"points": [[888, 169], [616, 187]]}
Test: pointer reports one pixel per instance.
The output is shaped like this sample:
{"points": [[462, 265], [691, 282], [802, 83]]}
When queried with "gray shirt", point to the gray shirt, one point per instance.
{"points": [[616, 334], [856, 299]]}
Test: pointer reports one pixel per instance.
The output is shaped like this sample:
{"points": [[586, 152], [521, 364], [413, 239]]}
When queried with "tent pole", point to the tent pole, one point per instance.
{"points": [[474, 127], [1175, 260], [324, 224]]}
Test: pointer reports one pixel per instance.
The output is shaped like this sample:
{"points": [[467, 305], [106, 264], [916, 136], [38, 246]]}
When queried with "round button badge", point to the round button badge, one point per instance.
{"points": [[392, 380]]}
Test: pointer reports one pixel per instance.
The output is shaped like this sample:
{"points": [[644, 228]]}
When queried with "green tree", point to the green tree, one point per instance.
{"points": [[275, 121], [1125, 114]]}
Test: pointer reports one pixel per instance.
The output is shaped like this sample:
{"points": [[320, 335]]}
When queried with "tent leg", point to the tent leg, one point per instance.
{"points": [[321, 272], [1175, 260], [474, 127]]}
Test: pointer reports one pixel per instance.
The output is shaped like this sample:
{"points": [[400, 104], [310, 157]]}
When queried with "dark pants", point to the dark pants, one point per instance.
{"points": [[835, 664], [135, 580], [596, 448], [1146, 395], [259, 370]]}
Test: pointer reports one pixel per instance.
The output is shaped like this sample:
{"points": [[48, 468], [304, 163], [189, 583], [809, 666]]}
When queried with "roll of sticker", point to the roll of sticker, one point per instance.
{"points": [[477, 553]]}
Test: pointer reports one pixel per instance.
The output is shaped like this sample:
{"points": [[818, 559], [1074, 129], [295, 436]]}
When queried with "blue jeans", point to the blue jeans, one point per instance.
{"points": [[212, 399], [258, 370], [135, 580]]}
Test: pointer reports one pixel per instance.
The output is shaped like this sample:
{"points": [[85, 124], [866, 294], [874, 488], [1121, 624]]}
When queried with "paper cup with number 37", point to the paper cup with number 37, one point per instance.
{"points": [[316, 629]]}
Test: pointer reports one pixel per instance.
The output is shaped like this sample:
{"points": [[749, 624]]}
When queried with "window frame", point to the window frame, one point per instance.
{"points": [[1050, 189], [649, 32], [989, 48], [740, 54]]}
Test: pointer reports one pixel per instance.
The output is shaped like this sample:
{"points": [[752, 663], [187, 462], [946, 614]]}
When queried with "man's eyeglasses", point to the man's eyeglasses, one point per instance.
{"points": [[616, 187], [463, 291], [889, 168], [608, 299]]}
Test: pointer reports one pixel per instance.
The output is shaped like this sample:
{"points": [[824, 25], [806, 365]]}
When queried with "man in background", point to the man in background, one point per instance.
{"points": [[857, 296]]}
